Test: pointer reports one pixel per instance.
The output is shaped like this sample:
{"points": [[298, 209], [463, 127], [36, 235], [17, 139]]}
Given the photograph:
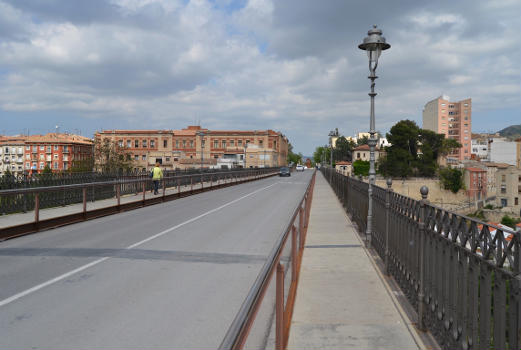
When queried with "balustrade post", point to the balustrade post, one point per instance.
{"points": [[279, 308], [84, 190], [118, 193], [424, 190], [144, 189], [294, 253], [37, 207], [387, 222]]}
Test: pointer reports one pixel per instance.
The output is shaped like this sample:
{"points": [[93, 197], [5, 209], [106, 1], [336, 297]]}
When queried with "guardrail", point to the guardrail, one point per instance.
{"points": [[461, 275], [122, 194], [278, 279]]}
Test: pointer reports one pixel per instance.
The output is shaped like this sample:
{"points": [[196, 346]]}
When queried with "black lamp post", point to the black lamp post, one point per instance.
{"points": [[373, 44]]}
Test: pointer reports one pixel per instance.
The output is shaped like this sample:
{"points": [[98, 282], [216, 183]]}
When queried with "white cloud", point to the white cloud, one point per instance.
{"points": [[292, 66]]}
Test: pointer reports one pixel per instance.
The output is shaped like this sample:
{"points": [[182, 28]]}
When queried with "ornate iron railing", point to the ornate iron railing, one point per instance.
{"points": [[130, 184], [461, 275]]}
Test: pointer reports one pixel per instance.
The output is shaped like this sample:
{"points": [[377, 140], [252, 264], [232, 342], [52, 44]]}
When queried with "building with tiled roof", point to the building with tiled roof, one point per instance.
{"points": [[194, 146], [58, 151], [362, 152]]}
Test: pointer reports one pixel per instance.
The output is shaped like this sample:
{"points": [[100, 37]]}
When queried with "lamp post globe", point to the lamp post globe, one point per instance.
{"points": [[373, 44]]}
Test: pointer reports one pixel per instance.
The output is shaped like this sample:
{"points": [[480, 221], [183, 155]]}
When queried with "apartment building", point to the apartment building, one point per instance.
{"points": [[12, 154], [363, 153], [476, 182], [454, 120], [194, 146], [22, 154], [57, 151]]}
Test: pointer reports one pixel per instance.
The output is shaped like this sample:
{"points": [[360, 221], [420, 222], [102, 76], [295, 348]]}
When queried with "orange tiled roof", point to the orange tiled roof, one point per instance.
{"points": [[365, 148], [343, 163], [59, 138]]}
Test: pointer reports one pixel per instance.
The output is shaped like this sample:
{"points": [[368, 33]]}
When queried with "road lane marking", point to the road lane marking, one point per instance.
{"points": [[96, 262]]}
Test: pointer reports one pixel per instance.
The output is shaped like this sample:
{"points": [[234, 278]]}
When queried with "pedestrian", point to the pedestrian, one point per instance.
{"points": [[157, 175]]}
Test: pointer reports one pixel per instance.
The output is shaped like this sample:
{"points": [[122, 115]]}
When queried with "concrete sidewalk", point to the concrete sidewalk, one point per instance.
{"points": [[342, 300]]}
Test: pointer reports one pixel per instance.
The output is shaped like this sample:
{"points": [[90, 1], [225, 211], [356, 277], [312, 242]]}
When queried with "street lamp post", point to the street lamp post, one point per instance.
{"points": [[373, 44], [332, 134]]}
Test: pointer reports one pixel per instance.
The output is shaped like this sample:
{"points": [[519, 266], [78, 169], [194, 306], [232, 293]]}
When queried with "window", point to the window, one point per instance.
{"points": [[27, 165], [503, 189], [144, 157], [27, 148], [176, 159], [55, 165], [41, 156], [48, 149], [152, 143], [232, 143], [239, 143], [184, 143], [42, 165], [516, 201], [191, 143], [27, 156], [503, 178], [144, 143], [466, 105], [274, 144], [120, 143], [165, 143], [443, 104], [42, 147], [55, 155], [35, 148], [129, 143], [216, 156], [176, 143], [215, 143], [65, 166], [136, 157], [224, 143], [136, 143], [167, 159]]}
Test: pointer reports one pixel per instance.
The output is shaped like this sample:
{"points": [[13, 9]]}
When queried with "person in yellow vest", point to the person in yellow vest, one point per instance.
{"points": [[157, 175]]}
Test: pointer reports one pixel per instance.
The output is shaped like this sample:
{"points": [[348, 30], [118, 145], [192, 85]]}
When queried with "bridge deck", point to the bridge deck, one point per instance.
{"points": [[343, 301]]}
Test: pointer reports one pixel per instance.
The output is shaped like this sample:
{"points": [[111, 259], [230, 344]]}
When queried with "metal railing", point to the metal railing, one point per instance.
{"points": [[461, 275], [134, 189], [21, 204], [278, 280]]}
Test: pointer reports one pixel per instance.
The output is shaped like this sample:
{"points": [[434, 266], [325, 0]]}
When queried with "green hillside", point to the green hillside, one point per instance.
{"points": [[513, 131]]}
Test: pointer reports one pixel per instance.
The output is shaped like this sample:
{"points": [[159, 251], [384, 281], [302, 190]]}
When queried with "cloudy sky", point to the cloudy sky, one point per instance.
{"points": [[288, 65]]}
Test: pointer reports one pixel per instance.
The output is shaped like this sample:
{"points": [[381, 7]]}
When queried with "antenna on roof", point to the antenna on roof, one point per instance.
{"points": [[57, 128]]}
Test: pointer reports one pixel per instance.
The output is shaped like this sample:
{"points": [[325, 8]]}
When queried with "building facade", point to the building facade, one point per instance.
{"points": [[363, 153], [31, 154], [196, 147], [508, 184], [503, 150], [12, 154], [476, 183], [454, 120]]}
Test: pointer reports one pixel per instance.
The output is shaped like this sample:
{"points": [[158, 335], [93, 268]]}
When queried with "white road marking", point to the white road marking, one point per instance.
{"points": [[96, 262]]}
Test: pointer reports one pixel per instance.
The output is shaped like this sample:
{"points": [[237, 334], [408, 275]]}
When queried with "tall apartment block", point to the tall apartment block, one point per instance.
{"points": [[453, 119]]}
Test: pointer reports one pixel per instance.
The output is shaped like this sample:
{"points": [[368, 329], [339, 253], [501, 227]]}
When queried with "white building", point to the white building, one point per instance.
{"points": [[503, 151], [479, 147], [12, 155]]}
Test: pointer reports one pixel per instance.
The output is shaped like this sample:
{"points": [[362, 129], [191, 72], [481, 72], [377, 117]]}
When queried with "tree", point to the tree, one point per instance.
{"points": [[401, 156], [110, 157], [343, 149], [82, 166], [293, 157], [361, 167], [451, 179], [362, 141], [321, 153], [509, 221]]}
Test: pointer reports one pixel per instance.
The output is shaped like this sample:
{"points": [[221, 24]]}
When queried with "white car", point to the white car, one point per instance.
{"points": [[300, 168]]}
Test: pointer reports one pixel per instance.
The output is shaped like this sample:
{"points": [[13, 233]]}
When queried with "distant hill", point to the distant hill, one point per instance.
{"points": [[513, 131]]}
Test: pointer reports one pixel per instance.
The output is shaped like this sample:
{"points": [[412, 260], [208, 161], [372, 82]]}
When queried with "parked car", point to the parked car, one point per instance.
{"points": [[300, 167], [284, 171]]}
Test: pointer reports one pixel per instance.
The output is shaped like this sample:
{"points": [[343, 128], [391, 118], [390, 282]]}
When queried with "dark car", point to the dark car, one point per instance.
{"points": [[284, 171]]}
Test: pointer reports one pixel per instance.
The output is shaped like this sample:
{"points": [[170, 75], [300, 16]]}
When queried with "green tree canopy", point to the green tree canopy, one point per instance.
{"points": [[343, 149]]}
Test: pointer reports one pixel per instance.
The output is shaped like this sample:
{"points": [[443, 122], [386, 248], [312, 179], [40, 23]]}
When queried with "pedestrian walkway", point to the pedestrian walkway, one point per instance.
{"points": [[342, 300], [49, 213]]}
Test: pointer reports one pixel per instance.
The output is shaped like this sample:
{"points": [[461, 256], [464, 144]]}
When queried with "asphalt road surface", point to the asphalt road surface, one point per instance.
{"points": [[167, 276]]}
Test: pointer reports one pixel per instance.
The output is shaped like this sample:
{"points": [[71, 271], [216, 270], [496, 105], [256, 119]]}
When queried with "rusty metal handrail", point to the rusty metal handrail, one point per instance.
{"points": [[116, 182], [237, 333]]}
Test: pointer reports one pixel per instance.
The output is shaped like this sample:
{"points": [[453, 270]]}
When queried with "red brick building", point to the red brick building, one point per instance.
{"points": [[476, 183], [194, 147], [58, 151]]}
